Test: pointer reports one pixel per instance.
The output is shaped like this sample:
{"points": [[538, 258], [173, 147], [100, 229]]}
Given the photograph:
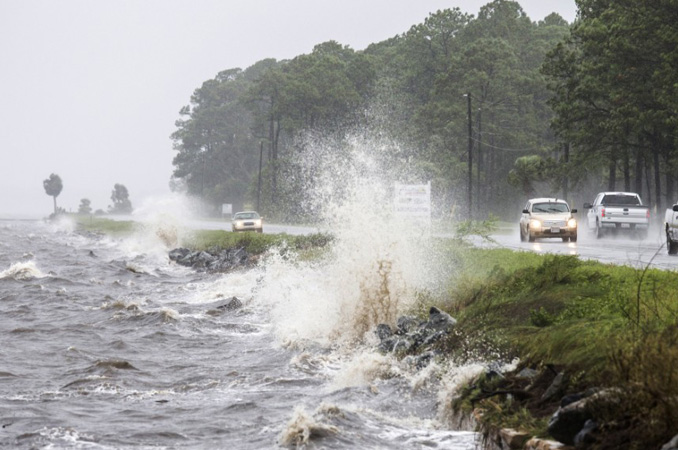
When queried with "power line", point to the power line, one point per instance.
{"points": [[504, 149]]}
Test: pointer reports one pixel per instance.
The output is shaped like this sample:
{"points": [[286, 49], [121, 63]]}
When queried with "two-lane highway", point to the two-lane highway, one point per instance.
{"points": [[621, 249]]}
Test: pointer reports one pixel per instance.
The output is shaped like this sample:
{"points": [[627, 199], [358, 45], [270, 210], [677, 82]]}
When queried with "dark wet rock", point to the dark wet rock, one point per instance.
{"points": [[213, 260], [233, 304], [587, 435], [395, 344], [571, 398], [556, 388], [414, 336], [384, 331], [178, 254], [440, 321], [420, 361], [407, 324], [567, 422]]}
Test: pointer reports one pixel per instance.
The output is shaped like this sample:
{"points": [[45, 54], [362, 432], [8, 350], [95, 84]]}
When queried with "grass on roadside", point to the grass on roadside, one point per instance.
{"points": [[598, 323], [104, 225], [254, 243]]}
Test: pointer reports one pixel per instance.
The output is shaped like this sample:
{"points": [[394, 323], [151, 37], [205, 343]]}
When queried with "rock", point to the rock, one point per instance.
{"points": [[383, 331], [214, 260], [419, 361], [440, 321], [556, 387], [513, 439], [232, 304], [395, 344], [566, 400], [586, 435], [178, 253], [423, 360], [407, 324], [568, 421]]}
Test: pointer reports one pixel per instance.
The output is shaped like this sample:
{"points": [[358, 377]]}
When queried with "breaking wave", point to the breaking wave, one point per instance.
{"points": [[22, 271], [378, 261]]}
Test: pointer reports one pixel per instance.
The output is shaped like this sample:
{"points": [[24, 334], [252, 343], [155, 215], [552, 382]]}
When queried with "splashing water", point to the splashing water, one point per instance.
{"points": [[378, 261], [163, 224], [22, 271]]}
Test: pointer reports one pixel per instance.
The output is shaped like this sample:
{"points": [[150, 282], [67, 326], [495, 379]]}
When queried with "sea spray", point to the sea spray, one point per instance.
{"points": [[303, 427], [163, 224], [21, 271], [378, 260]]}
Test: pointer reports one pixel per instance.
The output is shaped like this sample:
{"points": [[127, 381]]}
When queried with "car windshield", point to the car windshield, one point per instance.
{"points": [[628, 200], [550, 208], [246, 216]]}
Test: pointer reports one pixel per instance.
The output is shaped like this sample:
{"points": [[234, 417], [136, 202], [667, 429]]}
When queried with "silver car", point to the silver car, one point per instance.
{"points": [[548, 218], [247, 221]]}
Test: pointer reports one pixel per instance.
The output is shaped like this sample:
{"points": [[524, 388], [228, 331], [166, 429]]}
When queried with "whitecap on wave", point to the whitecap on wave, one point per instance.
{"points": [[22, 271]]}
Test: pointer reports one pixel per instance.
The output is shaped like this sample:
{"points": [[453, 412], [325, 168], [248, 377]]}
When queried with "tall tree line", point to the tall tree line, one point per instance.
{"points": [[419, 82], [614, 85]]}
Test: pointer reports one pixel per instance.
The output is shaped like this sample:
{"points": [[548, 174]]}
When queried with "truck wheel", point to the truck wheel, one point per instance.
{"points": [[671, 246], [565, 239], [522, 236], [599, 230], [573, 238], [530, 238]]}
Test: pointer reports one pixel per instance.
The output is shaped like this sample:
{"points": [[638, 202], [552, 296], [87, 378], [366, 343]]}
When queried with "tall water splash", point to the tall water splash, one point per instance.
{"points": [[163, 223], [378, 262]]}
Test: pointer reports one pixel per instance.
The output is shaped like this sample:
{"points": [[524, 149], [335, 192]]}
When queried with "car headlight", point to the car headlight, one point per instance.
{"points": [[572, 223], [534, 223]]}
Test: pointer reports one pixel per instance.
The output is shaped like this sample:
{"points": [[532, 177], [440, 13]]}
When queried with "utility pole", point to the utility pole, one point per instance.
{"points": [[470, 157], [480, 164], [261, 156]]}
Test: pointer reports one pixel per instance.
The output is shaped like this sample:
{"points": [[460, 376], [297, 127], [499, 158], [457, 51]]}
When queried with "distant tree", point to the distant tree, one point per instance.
{"points": [[527, 170], [120, 198], [85, 206], [53, 187]]}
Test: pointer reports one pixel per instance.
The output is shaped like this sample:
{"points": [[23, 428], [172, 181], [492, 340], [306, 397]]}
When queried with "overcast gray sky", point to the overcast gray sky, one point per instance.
{"points": [[90, 89]]}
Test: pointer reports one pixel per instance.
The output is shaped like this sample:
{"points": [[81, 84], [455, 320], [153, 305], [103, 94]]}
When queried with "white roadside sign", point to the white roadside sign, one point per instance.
{"points": [[413, 201]]}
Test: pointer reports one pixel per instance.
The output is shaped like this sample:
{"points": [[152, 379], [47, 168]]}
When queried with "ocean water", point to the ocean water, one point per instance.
{"points": [[108, 344]]}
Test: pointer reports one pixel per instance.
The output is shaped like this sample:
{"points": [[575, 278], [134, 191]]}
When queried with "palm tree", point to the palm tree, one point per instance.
{"points": [[53, 187]]}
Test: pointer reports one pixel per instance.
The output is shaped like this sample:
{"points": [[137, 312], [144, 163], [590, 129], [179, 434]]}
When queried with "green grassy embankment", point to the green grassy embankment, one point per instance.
{"points": [[97, 224], [254, 243], [601, 325]]}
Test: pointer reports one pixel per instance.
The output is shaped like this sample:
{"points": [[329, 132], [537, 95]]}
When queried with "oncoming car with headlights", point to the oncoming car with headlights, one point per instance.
{"points": [[247, 221], [548, 218]]}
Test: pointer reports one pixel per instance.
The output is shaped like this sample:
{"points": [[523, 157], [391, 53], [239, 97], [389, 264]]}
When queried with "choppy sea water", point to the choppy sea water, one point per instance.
{"points": [[107, 344]]}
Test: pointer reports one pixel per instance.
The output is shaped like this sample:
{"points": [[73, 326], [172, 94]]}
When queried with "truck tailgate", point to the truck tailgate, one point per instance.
{"points": [[629, 214]]}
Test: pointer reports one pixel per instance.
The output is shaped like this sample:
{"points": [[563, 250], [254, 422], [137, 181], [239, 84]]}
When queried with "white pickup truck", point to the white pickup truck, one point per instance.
{"points": [[618, 211], [671, 228]]}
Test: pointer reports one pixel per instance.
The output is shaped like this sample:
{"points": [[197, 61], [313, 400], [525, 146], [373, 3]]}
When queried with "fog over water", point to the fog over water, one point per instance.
{"points": [[91, 89]]}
